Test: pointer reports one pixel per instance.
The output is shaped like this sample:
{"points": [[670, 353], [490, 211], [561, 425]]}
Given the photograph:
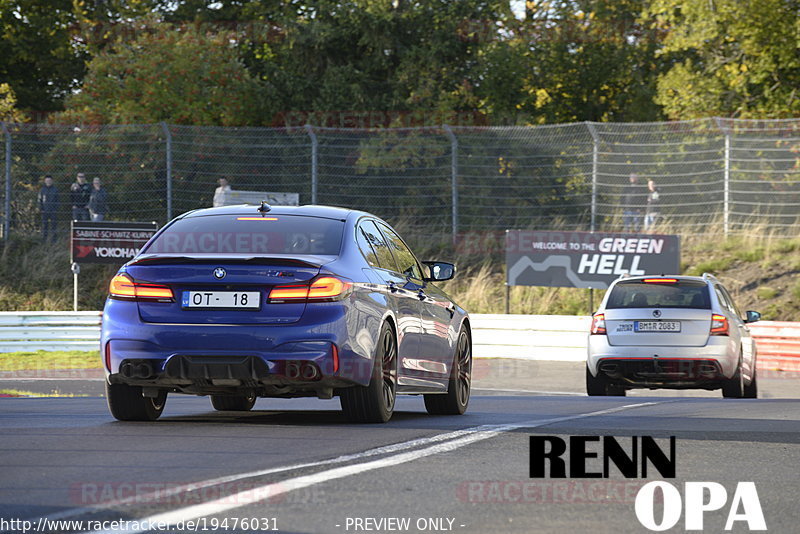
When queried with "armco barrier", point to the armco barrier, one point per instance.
{"points": [[778, 345], [530, 337], [525, 337], [31, 331]]}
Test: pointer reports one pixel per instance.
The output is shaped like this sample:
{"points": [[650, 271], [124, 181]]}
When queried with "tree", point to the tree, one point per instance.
{"points": [[371, 55], [8, 105], [571, 60], [183, 76], [730, 57], [38, 57]]}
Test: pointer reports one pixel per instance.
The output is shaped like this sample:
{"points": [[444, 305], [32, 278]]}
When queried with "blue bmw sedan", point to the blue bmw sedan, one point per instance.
{"points": [[242, 302]]}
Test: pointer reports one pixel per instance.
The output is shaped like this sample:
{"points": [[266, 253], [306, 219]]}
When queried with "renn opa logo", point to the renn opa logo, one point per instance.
{"points": [[583, 460]]}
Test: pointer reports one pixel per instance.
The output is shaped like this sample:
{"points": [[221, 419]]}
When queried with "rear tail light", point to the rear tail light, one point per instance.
{"points": [[123, 287], [719, 325], [323, 289], [598, 324]]}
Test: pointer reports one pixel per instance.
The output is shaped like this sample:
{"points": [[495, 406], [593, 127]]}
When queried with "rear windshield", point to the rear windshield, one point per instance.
{"points": [[637, 294], [245, 234]]}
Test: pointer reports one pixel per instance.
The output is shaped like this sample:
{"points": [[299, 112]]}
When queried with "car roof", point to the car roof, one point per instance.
{"points": [[705, 278], [327, 212]]}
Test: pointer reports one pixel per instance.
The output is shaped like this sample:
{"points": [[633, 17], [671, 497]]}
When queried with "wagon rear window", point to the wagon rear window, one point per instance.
{"points": [[682, 294]]}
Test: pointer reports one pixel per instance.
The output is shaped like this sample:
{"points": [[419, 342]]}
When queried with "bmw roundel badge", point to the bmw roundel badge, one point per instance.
{"points": [[219, 273], [656, 313]]}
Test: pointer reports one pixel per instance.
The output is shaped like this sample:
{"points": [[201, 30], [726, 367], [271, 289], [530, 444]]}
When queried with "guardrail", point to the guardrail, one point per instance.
{"points": [[524, 337], [530, 337], [778, 344], [32, 331]]}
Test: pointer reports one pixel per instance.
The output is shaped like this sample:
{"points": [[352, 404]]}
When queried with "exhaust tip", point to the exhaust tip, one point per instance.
{"points": [[310, 371], [292, 370]]}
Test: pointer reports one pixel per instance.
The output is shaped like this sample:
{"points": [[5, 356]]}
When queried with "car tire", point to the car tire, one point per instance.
{"points": [[126, 403], [751, 389], [456, 400], [733, 388], [233, 403], [599, 386], [375, 403]]}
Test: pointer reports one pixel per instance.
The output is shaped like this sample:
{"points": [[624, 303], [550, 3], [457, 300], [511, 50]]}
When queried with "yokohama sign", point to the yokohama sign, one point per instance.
{"points": [[108, 242]]}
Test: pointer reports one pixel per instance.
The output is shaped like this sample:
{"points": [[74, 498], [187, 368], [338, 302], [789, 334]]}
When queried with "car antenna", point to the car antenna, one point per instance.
{"points": [[264, 208]]}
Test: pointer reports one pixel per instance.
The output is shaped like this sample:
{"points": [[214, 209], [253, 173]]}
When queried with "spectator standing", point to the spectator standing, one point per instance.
{"points": [[652, 213], [633, 203], [98, 201], [79, 193], [221, 193], [48, 206]]}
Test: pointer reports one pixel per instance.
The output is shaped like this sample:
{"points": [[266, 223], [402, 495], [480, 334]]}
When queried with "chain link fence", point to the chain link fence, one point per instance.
{"points": [[713, 175]]}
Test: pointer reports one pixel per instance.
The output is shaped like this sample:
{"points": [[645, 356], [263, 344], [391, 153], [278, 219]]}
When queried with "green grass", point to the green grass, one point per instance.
{"points": [[766, 293], [34, 361], [36, 276], [22, 393]]}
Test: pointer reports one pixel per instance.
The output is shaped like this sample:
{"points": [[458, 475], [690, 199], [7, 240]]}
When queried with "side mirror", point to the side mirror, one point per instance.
{"points": [[439, 271], [752, 316]]}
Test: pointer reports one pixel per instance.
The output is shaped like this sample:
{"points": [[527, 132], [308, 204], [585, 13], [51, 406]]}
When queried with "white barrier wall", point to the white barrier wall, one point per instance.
{"points": [[530, 337]]}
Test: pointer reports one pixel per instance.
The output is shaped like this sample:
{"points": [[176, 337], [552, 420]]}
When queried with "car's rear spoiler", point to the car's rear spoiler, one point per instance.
{"points": [[274, 259]]}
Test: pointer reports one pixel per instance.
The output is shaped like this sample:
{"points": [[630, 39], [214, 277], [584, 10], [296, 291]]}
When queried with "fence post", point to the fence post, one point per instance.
{"points": [[7, 203], [453, 177], [726, 177], [314, 153], [595, 150], [168, 135]]}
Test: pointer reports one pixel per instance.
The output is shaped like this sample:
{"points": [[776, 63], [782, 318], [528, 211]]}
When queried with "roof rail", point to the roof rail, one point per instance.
{"points": [[709, 276], [624, 275]]}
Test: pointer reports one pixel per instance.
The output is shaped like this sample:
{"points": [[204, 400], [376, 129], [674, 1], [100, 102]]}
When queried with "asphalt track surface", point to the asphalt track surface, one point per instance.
{"points": [[297, 465]]}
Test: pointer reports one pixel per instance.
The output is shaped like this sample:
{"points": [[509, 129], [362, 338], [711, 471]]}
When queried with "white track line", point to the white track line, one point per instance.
{"points": [[267, 491], [536, 391]]}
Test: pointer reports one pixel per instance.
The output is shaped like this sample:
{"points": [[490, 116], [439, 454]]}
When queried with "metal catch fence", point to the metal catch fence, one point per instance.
{"points": [[711, 175]]}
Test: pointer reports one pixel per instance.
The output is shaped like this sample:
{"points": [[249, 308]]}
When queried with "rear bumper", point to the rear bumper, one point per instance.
{"points": [[278, 360], [664, 367]]}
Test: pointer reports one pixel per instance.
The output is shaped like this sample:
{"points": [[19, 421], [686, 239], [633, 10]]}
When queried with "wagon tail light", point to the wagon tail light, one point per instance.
{"points": [[719, 325], [323, 289], [598, 324], [123, 287]]}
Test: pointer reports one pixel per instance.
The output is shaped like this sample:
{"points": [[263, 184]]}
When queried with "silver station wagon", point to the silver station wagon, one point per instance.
{"points": [[675, 332]]}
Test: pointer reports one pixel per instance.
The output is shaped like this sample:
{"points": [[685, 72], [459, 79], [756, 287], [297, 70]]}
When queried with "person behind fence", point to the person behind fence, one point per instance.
{"points": [[79, 193], [48, 206], [98, 201], [634, 201], [221, 193], [652, 212]]}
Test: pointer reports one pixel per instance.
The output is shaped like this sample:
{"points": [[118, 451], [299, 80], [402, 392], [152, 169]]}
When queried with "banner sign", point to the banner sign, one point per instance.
{"points": [[584, 259], [108, 242], [235, 197]]}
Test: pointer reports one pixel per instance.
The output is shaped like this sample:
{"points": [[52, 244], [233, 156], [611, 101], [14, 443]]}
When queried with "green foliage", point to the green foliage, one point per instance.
{"points": [[38, 57], [766, 293], [731, 57], [750, 254], [184, 77], [41, 360], [8, 105], [572, 61], [712, 266]]}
